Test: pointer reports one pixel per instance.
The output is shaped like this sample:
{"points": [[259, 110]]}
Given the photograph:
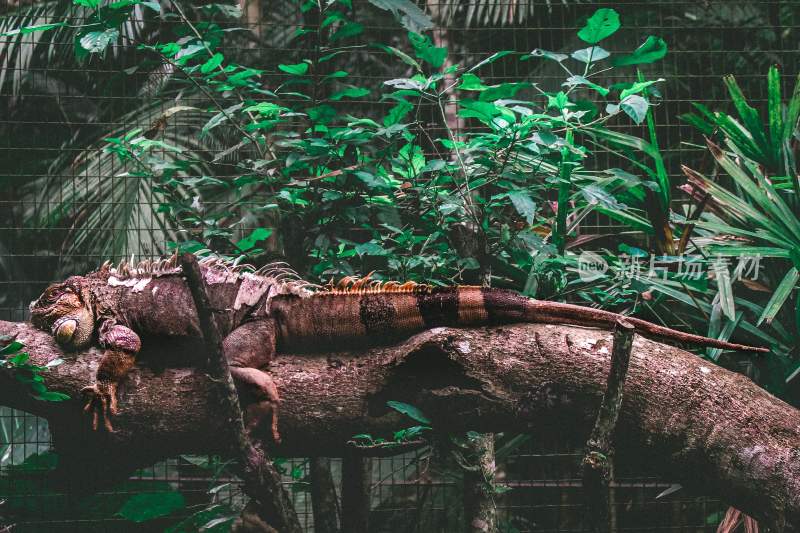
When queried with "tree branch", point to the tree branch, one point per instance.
{"points": [[700, 425], [262, 482]]}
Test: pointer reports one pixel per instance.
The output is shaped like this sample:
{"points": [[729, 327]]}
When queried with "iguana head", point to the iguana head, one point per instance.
{"points": [[65, 309]]}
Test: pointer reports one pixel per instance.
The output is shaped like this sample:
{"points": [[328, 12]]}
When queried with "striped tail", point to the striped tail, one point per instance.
{"points": [[503, 306], [377, 316]]}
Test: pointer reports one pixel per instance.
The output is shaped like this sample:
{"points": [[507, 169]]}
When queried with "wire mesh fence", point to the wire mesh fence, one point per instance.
{"points": [[66, 206]]}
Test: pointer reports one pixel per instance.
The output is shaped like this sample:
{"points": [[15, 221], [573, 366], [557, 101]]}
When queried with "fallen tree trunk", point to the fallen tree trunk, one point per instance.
{"points": [[700, 425]]}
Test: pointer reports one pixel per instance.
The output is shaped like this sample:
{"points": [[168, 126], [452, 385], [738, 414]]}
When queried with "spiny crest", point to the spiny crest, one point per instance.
{"points": [[366, 285], [143, 269], [277, 278]]}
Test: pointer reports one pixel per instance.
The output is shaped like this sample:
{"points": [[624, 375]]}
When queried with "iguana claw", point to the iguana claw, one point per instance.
{"points": [[101, 400]]}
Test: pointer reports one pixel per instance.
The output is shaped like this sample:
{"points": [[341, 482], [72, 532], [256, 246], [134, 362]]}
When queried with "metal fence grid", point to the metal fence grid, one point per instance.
{"points": [[49, 112]]}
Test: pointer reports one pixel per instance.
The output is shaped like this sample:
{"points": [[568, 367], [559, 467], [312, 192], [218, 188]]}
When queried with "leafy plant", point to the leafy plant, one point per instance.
{"points": [[17, 361], [765, 141]]}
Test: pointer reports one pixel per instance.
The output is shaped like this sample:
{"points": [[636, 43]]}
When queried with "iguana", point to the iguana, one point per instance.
{"points": [[271, 310]]}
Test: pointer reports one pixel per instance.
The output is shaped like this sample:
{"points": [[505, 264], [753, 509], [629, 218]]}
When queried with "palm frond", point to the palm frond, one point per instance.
{"points": [[21, 53], [107, 208]]}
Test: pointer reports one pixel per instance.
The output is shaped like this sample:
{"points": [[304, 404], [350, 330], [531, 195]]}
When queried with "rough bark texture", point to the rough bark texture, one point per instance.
{"points": [[599, 450], [262, 482], [702, 426], [480, 511], [324, 503]]}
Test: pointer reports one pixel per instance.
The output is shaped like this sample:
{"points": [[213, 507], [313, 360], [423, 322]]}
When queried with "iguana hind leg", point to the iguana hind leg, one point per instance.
{"points": [[249, 349], [121, 344]]}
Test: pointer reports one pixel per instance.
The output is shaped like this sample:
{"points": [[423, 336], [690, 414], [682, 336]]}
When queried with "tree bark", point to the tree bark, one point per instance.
{"points": [[262, 483], [599, 448], [356, 493], [324, 503], [480, 511], [703, 426]]}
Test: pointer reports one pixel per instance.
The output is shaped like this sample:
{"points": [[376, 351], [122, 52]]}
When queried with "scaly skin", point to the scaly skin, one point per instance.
{"points": [[263, 314]]}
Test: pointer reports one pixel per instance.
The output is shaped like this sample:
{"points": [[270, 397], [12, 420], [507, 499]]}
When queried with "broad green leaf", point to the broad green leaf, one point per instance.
{"points": [[396, 114], [590, 55], [91, 4], [213, 63], [350, 92], [257, 235], [350, 29], [98, 41], [409, 410], [11, 348], [298, 69], [635, 107], [471, 82], [524, 205], [408, 13], [601, 24], [780, 296], [653, 49], [426, 51], [149, 505]]}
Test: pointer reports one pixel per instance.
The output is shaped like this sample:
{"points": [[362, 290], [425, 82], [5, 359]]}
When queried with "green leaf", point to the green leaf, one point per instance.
{"points": [[491, 59], [638, 87], [601, 24], [351, 29], [149, 505], [653, 49], [396, 114], [635, 107], [220, 117], [32, 29], [426, 51], [51, 396], [211, 64], [97, 41], [410, 16], [14, 347], [249, 242], [749, 116], [780, 296], [555, 56], [409, 410], [298, 69], [524, 205], [775, 112], [91, 4], [573, 81], [471, 82], [590, 55], [405, 58], [351, 92]]}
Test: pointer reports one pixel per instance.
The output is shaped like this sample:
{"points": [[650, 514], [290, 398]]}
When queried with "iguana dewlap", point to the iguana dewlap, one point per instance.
{"points": [[261, 313]]}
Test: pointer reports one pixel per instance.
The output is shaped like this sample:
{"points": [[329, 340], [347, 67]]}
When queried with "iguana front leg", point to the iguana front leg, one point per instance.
{"points": [[121, 344], [249, 349]]}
